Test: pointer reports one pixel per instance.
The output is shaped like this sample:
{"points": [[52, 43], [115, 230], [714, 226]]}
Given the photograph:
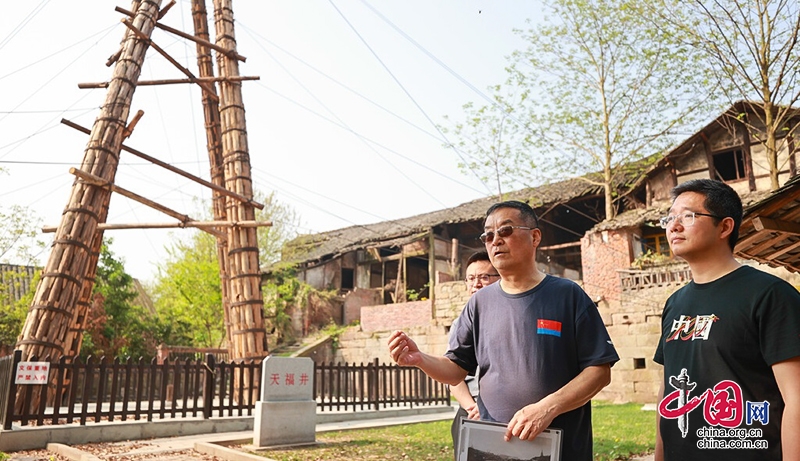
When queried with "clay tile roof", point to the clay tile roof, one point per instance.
{"points": [[313, 247], [770, 231]]}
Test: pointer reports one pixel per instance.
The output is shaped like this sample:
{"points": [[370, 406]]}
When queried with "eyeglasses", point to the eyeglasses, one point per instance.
{"points": [[484, 278], [687, 219], [502, 232]]}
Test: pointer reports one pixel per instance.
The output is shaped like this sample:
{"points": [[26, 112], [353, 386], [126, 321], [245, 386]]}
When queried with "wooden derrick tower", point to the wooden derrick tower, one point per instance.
{"points": [[56, 319], [246, 315]]}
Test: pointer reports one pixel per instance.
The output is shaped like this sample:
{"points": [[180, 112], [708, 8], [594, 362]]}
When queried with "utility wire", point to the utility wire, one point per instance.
{"points": [[407, 93], [360, 138], [254, 34], [24, 22], [368, 139], [437, 60]]}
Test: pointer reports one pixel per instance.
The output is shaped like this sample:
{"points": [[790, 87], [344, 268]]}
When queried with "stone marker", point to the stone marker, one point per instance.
{"points": [[286, 413]]}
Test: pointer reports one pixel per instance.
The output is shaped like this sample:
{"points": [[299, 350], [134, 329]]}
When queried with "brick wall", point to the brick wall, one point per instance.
{"points": [[602, 253], [390, 317], [364, 343], [355, 300]]}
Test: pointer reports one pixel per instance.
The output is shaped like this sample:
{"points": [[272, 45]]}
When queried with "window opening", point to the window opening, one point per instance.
{"points": [[348, 279], [729, 166]]}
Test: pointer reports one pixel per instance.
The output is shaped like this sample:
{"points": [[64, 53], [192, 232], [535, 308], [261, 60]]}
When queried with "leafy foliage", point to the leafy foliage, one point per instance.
{"points": [[284, 294], [116, 326], [598, 86], [285, 222], [650, 259], [13, 314], [494, 142], [19, 242], [753, 51], [188, 294], [187, 290]]}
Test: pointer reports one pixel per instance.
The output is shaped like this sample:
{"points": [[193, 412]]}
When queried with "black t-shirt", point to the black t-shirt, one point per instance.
{"points": [[718, 343]]}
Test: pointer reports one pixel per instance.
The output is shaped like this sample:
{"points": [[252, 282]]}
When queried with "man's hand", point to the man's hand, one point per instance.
{"points": [[403, 350], [473, 412], [530, 421]]}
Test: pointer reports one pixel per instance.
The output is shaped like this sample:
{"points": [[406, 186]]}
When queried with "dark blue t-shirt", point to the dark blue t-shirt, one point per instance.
{"points": [[530, 345]]}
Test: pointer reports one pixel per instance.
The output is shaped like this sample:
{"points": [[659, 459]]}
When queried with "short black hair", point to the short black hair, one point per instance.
{"points": [[478, 256], [721, 200], [525, 211]]}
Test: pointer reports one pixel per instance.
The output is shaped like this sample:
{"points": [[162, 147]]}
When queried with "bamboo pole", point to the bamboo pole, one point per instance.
{"points": [[200, 40], [213, 186], [204, 85], [248, 334], [205, 65], [172, 225], [170, 81], [69, 270]]}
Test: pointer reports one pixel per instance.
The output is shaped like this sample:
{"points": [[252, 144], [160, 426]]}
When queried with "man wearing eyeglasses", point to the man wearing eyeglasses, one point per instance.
{"points": [[479, 273], [730, 342], [538, 341]]}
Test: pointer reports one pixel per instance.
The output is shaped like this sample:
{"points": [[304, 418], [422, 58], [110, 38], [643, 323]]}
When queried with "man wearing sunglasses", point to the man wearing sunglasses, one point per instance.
{"points": [[480, 273], [538, 341], [730, 342]]}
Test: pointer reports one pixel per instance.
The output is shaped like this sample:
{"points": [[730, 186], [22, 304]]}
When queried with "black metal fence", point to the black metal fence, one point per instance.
{"points": [[120, 390]]}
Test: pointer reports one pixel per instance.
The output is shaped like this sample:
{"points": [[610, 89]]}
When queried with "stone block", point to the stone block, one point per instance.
{"points": [[627, 318], [650, 341], [287, 379], [644, 328], [618, 330], [284, 423], [624, 341]]}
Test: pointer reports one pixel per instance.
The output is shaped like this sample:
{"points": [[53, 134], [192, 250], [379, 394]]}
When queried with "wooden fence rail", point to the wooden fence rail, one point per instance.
{"points": [[121, 390], [634, 280]]}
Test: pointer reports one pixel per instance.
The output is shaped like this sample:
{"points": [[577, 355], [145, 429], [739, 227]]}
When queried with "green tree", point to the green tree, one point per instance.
{"points": [[285, 223], [598, 86], [495, 144], [752, 47], [187, 291], [13, 313], [116, 325], [284, 295], [19, 235]]}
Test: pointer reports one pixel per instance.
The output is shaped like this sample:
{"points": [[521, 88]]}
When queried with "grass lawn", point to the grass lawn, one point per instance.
{"points": [[620, 431]]}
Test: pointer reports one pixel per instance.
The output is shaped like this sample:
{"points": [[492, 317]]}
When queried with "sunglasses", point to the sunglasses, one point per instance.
{"points": [[502, 232]]}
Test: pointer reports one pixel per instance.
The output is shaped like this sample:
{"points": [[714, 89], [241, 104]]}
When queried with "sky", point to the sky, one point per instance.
{"points": [[342, 125]]}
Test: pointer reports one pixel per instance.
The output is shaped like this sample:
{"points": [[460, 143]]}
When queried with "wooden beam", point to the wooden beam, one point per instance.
{"points": [[775, 203], [180, 225], [230, 53], [783, 251], [100, 182], [401, 255], [206, 88], [761, 223], [171, 168], [561, 245], [172, 81], [770, 242]]}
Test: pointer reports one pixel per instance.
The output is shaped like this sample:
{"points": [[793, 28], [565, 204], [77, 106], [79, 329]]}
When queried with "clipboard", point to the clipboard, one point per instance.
{"points": [[483, 441]]}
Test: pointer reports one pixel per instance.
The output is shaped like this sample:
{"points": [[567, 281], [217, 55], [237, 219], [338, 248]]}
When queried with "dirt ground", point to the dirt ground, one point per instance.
{"points": [[122, 451]]}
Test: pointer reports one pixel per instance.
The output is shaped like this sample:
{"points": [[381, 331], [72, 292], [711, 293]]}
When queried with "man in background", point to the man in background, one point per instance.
{"points": [[479, 274]]}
